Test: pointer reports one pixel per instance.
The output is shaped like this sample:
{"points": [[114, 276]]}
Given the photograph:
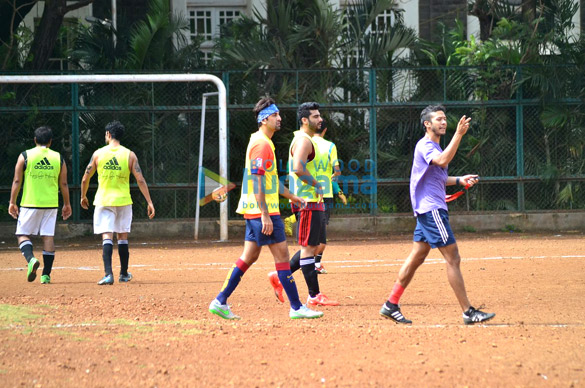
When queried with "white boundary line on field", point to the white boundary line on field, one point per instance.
{"points": [[407, 327], [366, 263]]}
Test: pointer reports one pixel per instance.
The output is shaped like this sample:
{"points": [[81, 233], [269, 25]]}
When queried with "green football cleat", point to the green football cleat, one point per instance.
{"points": [[304, 313], [45, 279], [33, 265], [222, 310]]}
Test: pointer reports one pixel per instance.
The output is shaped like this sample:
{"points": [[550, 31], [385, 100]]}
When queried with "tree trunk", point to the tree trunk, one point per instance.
{"points": [[481, 9], [47, 32], [529, 10]]}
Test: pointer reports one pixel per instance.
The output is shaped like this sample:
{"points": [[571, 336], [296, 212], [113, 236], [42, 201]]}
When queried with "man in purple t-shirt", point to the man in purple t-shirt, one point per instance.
{"points": [[428, 180]]}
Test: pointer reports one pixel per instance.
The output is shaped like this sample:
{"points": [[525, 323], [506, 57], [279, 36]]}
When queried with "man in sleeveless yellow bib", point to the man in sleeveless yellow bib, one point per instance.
{"points": [[113, 203], [44, 173], [303, 182]]}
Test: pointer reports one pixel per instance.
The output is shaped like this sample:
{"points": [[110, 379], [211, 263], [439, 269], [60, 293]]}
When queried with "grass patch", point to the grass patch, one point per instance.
{"points": [[182, 322], [123, 322], [16, 315], [72, 335], [192, 331]]}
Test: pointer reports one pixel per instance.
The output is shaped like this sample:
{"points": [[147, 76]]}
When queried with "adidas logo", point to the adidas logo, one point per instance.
{"points": [[43, 164], [112, 164]]}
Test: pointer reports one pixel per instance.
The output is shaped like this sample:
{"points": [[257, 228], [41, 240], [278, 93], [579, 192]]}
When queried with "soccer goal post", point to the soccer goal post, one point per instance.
{"points": [[129, 78]]}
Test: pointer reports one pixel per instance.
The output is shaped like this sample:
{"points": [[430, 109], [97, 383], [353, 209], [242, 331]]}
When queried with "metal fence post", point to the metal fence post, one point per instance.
{"points": [[373, 142], [75, 197], [520, 142], [225, 78]]}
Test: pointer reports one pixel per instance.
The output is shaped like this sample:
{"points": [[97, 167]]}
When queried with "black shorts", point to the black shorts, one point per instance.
{"points": [[329, 203], [311, 228]]}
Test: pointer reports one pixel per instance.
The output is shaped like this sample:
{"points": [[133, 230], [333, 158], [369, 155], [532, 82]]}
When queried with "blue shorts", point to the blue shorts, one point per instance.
{"points": [[254, 231], [433, 228]]}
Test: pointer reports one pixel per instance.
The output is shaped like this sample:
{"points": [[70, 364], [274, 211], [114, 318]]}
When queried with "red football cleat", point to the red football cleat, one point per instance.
{"points": [[321, 300], [275, 283]]}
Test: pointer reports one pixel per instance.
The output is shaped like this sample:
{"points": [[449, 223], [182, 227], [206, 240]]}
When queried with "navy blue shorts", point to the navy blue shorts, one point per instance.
{"points": [[254, 231], [433, 228]]}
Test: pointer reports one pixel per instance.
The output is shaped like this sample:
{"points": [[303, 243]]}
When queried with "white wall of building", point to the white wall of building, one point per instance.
{"points": [[411, 16]]}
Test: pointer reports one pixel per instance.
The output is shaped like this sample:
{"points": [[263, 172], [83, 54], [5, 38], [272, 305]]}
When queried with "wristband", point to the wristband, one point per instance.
{"points": [[457, 181]]}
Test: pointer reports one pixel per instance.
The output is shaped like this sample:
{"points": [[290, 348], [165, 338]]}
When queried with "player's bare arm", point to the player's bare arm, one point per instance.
{"points": [[16, 184], [448, 153], [89, 171], [285, 192], [465, 180], [142, 185], [64, 187]]}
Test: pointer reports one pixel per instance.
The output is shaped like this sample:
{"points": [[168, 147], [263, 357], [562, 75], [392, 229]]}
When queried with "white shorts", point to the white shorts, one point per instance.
{"points": [[34, 221], [109, 219]]}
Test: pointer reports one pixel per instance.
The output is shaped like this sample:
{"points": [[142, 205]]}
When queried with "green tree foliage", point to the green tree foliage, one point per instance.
{"points": [[535, 50], [334, 44], [164, 142]]}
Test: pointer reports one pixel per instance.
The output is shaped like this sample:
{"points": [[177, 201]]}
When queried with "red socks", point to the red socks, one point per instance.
{"points": [[397, 291]]}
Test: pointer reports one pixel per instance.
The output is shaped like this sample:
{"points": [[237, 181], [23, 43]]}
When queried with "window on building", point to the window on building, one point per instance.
{"points": [[205, 23], [383, 22]]}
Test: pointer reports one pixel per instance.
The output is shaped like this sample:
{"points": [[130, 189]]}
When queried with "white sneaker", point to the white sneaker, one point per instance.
{"points": [[222, 310], [305, 313]]}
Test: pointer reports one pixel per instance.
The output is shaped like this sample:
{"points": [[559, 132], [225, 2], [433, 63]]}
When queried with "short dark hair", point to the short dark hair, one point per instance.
{"points": [[425, 115], [305, 109], [43, 135], [116, 129], [264, 102]]}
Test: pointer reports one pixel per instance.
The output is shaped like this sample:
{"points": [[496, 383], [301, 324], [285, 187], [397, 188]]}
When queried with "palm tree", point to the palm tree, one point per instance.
{"points": [[157, 42]]}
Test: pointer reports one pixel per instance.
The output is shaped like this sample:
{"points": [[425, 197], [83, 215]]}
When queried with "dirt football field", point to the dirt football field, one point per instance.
{"points": [[156, 331]]}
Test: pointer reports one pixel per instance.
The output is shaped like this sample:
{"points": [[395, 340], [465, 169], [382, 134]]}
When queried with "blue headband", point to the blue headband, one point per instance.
{"points": [[269, 110]]}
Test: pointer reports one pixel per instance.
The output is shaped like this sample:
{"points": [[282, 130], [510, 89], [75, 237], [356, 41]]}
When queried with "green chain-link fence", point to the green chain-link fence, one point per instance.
{"points": [[526, 140]]}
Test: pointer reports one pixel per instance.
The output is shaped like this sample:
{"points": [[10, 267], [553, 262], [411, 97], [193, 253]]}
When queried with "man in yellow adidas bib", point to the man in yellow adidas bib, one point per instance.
{"points": [[113, 203], [303, 182], [44, 172], [327, 166]]}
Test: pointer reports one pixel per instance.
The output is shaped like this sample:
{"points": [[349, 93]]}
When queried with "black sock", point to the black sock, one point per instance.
{"points": [[26, 247], [124, 256], [107, 248], [318, 258], [310, 274], [295, 262], [48, 258]]}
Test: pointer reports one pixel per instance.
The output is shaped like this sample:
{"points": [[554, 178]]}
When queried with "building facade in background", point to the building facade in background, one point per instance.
{"points": [[206, 16]]}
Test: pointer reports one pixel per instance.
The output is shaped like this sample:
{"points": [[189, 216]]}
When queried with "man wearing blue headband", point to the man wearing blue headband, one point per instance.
{"points": [[259, 203]]}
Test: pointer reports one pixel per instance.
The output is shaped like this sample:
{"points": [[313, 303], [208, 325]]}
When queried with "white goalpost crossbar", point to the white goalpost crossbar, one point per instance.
{"points": [[121, 78]]}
